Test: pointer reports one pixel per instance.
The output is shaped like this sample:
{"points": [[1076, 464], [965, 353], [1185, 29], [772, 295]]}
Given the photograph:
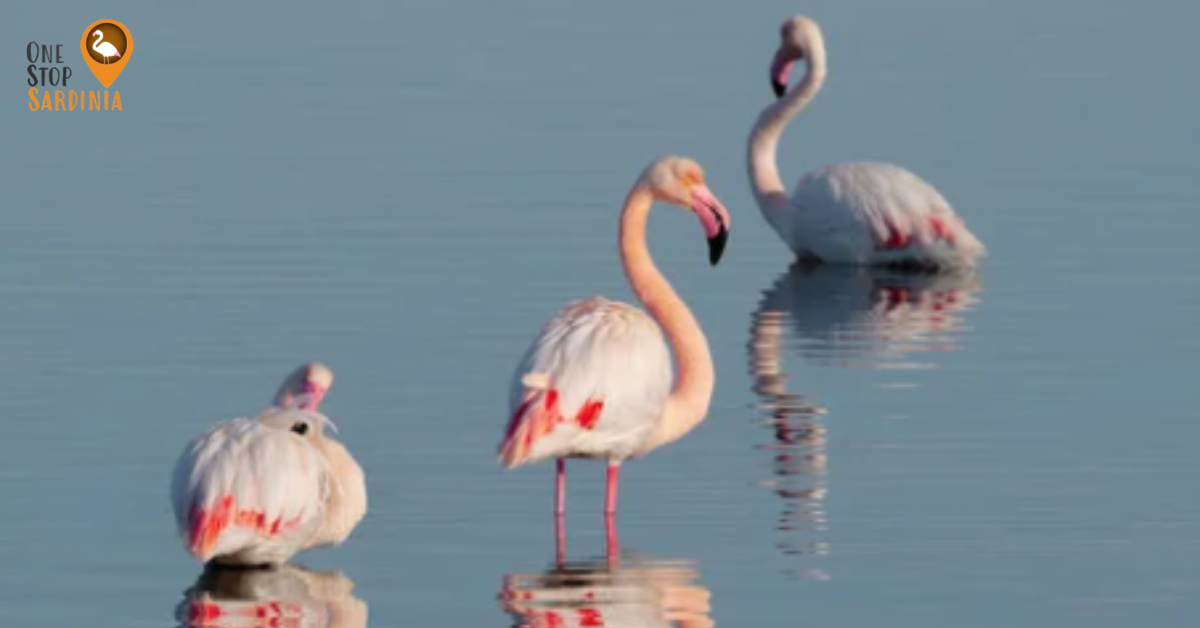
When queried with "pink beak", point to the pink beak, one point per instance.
{"points": [[714, 218], [312, 396], [781, 67]]}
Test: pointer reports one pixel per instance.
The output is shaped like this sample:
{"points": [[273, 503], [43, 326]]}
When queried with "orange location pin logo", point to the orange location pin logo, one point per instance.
{"points": [[106, 46]]}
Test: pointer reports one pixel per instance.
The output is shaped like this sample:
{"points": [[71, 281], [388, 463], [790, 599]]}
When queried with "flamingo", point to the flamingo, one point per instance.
{"points": [[105, 48], [254, 491], [864, 213], [597, 381]]}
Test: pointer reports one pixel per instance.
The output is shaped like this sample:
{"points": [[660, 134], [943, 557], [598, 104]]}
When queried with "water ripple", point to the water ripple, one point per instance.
{"points": [[632, 590], [285, 596]]}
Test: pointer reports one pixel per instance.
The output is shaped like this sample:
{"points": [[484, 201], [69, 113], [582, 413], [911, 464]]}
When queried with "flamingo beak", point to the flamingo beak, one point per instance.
{"points": [[311, 396], [781, 67], [714, 218]]}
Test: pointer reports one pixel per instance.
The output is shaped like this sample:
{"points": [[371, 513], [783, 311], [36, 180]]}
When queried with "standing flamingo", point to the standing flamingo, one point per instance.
{"points": [[255, 491], [597, 381], [105, 48], [858, 213]]}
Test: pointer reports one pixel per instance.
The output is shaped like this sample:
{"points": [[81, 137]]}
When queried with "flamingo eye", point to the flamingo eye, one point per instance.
{"points": [[300, 428]]}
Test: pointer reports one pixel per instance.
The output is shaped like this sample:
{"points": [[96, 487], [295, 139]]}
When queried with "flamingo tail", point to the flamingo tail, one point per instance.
{"points": [[534, 418], [537, 416], [207, 525]]}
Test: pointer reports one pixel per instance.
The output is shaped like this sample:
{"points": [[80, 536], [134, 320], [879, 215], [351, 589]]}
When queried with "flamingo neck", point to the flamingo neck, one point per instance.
{"points": [[688, 402], [764, 138], [347, 496], [96, 44]]}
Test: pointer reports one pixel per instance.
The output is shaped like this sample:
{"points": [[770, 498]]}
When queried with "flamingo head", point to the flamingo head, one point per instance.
{"points": [[305, 387], [799, 36], [680, 181], [97, 33], [307, 424]]}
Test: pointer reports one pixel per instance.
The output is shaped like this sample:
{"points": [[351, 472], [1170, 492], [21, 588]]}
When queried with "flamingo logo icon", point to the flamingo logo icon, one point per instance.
{"points": [[106, 46]]}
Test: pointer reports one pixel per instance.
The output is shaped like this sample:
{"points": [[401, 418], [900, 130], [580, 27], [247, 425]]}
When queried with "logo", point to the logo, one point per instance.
{"points": [[106, 46]]}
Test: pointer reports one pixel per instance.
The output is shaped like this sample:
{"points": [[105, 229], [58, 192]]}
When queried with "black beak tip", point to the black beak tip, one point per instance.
{"points": [[779, 88], [716, 246]]}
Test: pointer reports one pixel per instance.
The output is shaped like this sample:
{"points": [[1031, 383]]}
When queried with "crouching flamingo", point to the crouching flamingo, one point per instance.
{"points": [[597, 381], [254, 491], [857, 213]]}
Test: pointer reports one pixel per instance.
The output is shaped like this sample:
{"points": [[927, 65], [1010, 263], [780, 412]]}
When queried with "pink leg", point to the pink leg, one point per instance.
{"points": [[560, 536], [610, 495], [612, 545], [560, 488]]}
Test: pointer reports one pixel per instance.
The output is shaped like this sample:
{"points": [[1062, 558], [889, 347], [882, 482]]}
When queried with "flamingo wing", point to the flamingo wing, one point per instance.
{"points": [[251, 489], [592, 385], [868, 212]]}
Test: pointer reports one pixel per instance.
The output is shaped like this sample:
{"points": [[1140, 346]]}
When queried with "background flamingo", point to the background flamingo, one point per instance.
{"points": [[859, 213], [105, 48], [597, 381], [256, 491]]}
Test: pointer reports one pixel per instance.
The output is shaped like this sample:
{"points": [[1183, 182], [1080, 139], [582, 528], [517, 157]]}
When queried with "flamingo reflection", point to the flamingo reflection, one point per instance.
{"points": [[286, 596], [863, 317], [634, 590], [845, 317]]}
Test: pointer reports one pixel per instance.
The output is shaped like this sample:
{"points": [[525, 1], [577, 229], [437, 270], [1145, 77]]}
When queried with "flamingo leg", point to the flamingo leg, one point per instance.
{"points": [[612, 544], [560, 488], [610, 493], [560, 540], [560, 507]]}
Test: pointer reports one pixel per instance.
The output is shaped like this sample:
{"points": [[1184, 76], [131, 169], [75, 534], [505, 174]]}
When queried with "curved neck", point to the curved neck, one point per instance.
{"points": [[99, 37], [348, 495], [687, 405], [764, 138]]}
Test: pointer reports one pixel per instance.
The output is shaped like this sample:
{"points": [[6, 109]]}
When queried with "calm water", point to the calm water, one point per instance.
{"points": [[406, 192]]}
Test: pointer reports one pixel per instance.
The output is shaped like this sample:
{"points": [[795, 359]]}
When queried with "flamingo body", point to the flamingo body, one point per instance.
{"points": [[254, 491], [862, 213], [873, 213], [592, 385], [251, 490]]}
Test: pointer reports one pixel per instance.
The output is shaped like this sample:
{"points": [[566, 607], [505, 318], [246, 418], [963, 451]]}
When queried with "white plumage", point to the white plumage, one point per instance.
{"points": [[595, 350], [252, 491], [875, 213]]}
